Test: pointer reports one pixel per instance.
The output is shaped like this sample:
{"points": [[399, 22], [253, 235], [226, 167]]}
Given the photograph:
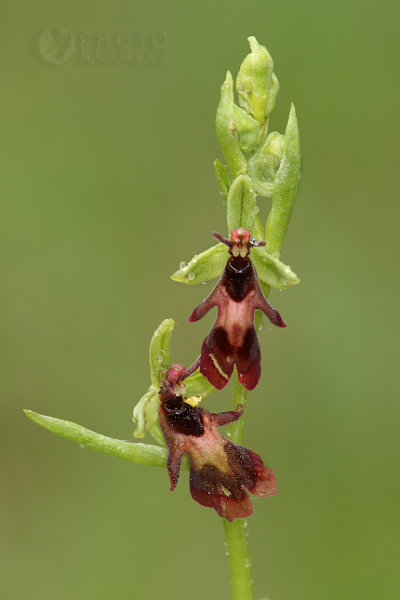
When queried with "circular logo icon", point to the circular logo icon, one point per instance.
{"points": [[56, 45]]}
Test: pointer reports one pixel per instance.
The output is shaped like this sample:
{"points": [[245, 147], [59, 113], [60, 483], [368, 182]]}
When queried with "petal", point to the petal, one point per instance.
{"points": [[265, 481], [175, 455], [228, 507], [216, 359], [250, 379], [247, 360], [213, 299]]}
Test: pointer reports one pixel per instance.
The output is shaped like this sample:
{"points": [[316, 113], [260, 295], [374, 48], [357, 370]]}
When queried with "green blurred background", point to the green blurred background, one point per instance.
{"points": [[107, 184]]}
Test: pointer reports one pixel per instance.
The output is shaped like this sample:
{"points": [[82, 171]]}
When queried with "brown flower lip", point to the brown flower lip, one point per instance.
{"points": [[219, 469], [233, 338]]}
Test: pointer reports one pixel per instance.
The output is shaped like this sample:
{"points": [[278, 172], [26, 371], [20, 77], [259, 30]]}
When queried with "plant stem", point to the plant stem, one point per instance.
{"points": [[235, 533], [239, 559]]}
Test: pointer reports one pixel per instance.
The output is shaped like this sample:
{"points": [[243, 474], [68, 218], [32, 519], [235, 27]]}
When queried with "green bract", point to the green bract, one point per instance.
{"points": [[241, 208], [248, 129], [223, 178], [264, 164], [145, 413], [284, 187]]}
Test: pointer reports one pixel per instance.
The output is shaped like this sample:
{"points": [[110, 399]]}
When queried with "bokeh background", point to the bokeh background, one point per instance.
{"points": [[107, 184]]}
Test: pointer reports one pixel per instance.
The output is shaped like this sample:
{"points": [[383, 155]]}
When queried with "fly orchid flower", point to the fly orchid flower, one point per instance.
{"points": [[219, 469], [233, 339]]}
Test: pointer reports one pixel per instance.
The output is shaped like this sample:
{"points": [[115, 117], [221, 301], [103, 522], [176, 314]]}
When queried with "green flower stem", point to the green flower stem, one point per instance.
{"points": [[239, 396], [136, 452], [235, 533], [239, 559]]}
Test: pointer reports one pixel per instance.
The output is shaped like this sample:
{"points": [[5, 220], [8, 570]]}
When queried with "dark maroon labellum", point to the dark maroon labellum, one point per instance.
{"points": [[233, 339]]}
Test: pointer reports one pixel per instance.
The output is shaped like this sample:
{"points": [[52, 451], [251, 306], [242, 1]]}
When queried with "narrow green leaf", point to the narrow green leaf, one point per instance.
{"points": [[135, 452], [204, 266]]}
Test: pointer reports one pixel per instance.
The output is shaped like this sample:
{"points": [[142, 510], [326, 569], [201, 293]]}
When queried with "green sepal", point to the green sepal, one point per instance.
{"points": [[284, 187], [248, 129], [271, 271], [204, 266], [145, 413], [241, 209], [254, 84], [160, 352], [198, 385], [223, 179], [227, 135], [264, 164]]}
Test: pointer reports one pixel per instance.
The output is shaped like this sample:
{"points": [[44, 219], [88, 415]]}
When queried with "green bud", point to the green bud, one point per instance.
{"points": [[255, 86], [248, 129], [227, 135], [272, 94], [223, 178], [242, 208], [265, 163], [271, 271], [203, 267]]}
